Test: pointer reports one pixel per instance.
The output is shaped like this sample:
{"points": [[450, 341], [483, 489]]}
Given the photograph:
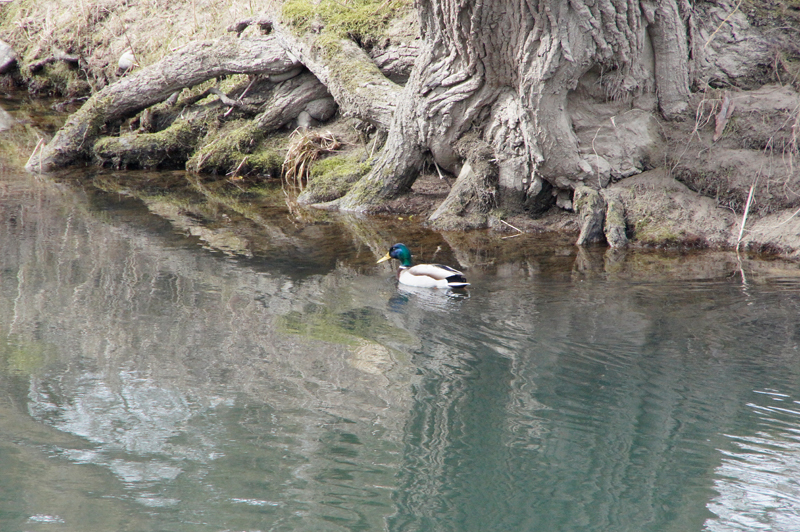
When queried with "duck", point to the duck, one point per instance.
{"points": [[423, 275]]}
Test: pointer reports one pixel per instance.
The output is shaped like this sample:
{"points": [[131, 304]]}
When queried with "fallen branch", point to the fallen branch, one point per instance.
{"points": [[58, 55], [512, 227]]}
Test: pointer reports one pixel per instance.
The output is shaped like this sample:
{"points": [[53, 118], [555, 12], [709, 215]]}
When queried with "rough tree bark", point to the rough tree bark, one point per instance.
{"points": [[358, 86], [504, 69]]}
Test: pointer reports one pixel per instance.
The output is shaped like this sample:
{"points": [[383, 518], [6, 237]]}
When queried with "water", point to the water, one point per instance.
{"points": [[185, 363]]}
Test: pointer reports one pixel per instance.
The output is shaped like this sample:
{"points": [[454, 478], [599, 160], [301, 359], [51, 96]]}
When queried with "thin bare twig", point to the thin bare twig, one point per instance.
{"points": [[711, 37], [725, 112], [512, 227], [441, 176], [746, 211], [235, 173]]}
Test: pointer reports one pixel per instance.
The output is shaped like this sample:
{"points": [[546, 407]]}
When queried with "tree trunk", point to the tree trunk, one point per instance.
{"points": [[504, 70]]}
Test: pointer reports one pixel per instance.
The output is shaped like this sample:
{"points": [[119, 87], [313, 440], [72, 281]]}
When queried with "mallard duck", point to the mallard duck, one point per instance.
{"points": [[425, 275]]}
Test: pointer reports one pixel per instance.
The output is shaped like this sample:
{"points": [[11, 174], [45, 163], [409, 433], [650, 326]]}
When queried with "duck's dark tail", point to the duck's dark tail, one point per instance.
{"points": [[457, 281]]}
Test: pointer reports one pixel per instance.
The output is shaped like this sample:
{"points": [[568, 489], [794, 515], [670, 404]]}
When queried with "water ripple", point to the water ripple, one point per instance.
{"points": [[759, 477]]}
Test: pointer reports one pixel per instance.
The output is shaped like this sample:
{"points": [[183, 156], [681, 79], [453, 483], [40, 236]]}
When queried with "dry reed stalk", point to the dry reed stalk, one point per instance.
{"points": [[305, 148]]}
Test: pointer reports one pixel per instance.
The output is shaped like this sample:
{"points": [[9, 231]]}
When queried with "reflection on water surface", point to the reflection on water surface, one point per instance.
{"points": [[192, 362]]}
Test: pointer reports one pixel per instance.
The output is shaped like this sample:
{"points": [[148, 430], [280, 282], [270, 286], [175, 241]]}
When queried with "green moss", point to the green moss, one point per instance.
{"points": [[339, 166], [267, 161], [361, 20], [648, 232], [332, 21], [333, 177], [225, 148], [150, 150], [615, 214]]}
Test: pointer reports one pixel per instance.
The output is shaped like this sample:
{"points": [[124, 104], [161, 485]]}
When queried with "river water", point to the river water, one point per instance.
{"points": [[212, 360]]}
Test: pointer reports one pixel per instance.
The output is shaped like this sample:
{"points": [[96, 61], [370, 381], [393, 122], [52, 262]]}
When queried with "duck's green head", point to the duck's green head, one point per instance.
{"points": [[399, 252]]}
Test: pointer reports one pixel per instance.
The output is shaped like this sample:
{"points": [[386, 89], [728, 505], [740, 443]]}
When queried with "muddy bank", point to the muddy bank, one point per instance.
{"points": [[224, 99]]}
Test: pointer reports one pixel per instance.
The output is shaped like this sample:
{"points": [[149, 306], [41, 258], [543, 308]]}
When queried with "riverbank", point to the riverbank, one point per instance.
{"points": [[720, 176]]}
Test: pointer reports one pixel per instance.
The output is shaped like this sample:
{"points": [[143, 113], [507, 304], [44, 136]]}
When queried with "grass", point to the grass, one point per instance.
{"points": [[100, 31], [360, 20]]}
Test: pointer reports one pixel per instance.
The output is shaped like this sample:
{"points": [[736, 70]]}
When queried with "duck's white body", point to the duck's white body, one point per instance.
{"points": [[431, 276], [424, 275]]}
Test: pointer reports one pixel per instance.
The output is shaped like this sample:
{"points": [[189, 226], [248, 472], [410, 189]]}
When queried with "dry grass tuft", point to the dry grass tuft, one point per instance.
{"points": [[305, 147]]}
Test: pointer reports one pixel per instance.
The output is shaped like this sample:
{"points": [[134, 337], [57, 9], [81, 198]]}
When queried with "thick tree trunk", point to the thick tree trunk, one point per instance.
{"points": [[504, 70], [187, 67]]}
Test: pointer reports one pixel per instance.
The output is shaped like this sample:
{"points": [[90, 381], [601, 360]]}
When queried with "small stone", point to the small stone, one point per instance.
{"points": [[126, 61], [322, 109], [6, 120], [304, 120], [563, 200], [8, 57]]}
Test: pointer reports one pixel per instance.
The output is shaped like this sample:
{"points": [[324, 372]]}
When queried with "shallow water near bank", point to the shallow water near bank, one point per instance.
{"points": [[211, 359]]}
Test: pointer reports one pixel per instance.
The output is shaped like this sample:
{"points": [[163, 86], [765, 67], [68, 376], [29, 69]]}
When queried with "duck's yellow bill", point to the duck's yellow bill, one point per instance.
{"points": [[385, 258]]}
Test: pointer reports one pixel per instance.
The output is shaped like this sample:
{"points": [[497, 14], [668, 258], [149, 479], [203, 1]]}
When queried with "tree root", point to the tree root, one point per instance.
{"points": [[358, 86], [602, 217], [474, 193], [167, 148], [186, 67]]}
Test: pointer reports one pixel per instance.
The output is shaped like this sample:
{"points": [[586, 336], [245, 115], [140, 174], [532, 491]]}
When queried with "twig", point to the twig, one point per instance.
{"points": [[235, 173], [224, 97], [374, 143], [746, 211], [246, 90], [39, 146], [725, 112], [735, 9], [438, 170], [741, 268], [512, 227]]}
